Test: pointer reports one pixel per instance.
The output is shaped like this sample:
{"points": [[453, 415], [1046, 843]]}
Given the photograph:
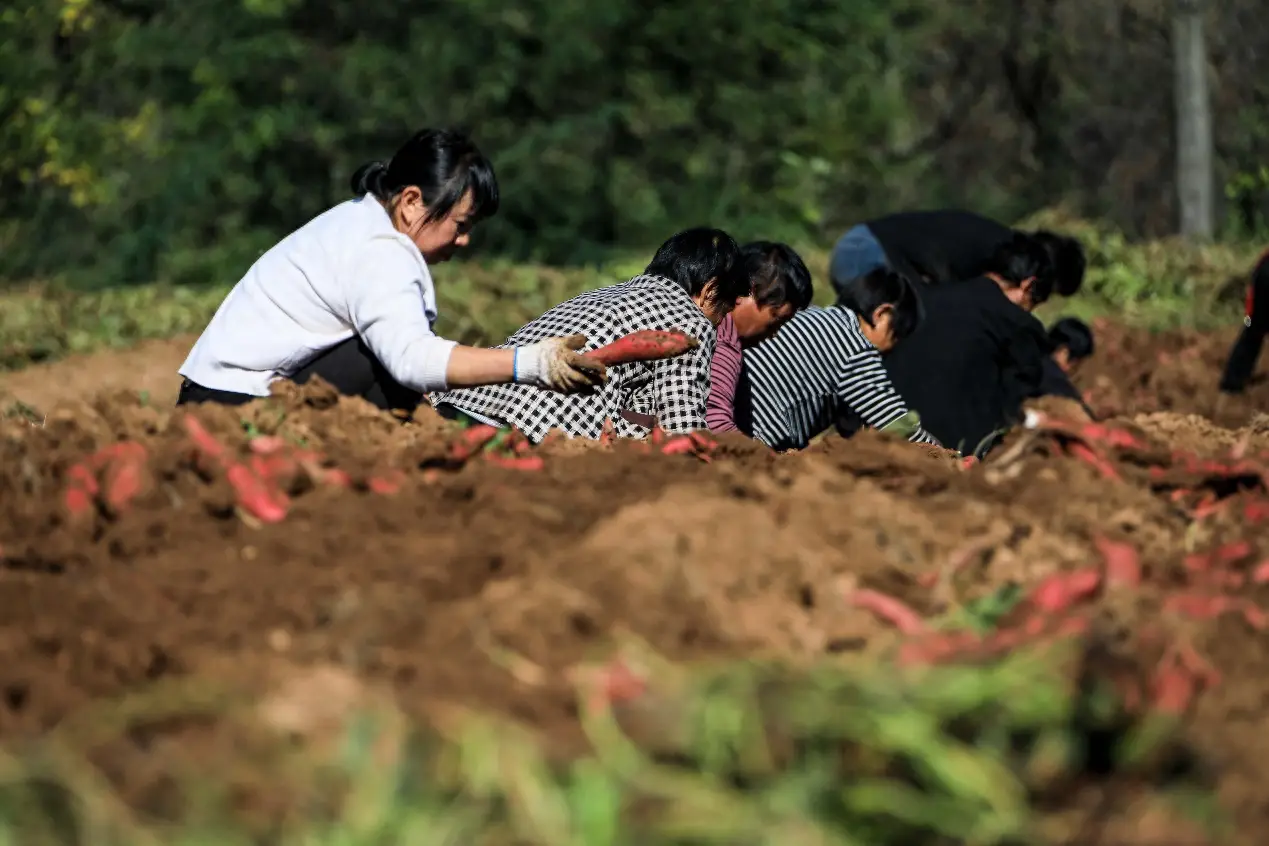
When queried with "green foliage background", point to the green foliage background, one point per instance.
{"points": [[173, 140]]}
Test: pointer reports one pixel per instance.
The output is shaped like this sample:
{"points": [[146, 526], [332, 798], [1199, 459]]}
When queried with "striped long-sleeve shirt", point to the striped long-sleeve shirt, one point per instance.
{"points": [[818, 368]]}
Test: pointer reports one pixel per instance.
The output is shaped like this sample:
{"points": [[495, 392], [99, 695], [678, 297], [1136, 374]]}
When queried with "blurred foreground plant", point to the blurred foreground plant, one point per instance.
{"points": [[738, 753]]}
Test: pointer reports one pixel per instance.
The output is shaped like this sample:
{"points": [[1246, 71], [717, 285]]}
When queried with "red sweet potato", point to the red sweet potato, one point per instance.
{"points": [[472, 441], [703, 440], [1123, 565], [78, 500], [619, 683], [1096, 432], [1232, 553], [677, 446], [1260, 575], [1208, 506], [1091, 457], [1062, 590], [1173, 690], [124, 481], [1198, 562], [516, 462], [267, 445], [336, 477], [255, 496], [203, 440], [889, 609], [389, 483], [644, 345], [1256, 511]]}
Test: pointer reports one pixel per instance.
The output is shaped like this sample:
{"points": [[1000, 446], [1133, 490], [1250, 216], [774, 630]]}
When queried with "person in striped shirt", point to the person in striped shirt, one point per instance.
{"points": [[825, 366], [780, 286]]}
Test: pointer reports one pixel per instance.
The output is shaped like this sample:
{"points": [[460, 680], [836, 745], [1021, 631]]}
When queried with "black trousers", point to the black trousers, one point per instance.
{"points": [[350, 367]]}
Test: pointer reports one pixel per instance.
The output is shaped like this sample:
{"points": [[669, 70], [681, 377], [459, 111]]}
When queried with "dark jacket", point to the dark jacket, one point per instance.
{"points": [[1246, 350], [972, 363], [947, 245]]}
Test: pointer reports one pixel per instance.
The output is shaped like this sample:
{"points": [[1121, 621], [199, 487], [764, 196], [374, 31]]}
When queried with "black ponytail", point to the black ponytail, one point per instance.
{"points": [[442, 163], [369, 180]]}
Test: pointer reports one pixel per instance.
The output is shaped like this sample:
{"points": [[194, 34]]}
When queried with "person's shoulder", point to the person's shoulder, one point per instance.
{"points": [[727, 334], [391, 250], [815, 319], [1019, 321], [841, 327], [653, 297], [380, 259]]}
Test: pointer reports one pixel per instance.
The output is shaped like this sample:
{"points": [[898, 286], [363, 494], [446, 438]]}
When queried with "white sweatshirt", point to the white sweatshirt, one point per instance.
{"points": [[346, 272]]}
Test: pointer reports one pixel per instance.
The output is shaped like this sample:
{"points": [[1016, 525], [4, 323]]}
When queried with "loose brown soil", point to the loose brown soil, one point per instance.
{"points": [[479, 585]]}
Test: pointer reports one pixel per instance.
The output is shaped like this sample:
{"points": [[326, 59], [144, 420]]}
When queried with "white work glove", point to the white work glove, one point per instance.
{"points": [[555, 364]]}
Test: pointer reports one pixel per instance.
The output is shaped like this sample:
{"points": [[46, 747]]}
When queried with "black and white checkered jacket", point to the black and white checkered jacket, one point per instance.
{"points": [[672, 391]]}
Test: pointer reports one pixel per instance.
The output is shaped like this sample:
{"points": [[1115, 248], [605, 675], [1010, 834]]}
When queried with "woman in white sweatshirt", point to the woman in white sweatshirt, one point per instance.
{"points": [[349, 295]]}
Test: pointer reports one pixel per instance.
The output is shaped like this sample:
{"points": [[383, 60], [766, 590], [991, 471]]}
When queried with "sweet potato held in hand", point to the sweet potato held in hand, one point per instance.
{"points": [[644, 345]]}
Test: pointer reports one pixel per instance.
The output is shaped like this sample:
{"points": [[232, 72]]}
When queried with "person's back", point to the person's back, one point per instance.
{"points": [[694, 272], [828, 361], [946, 245], [939, 245], [980, 353], [961, 370]]}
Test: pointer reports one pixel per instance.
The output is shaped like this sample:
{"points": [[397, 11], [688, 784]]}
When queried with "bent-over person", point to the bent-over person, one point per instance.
{"points": [[780, 287], [980, 353], [691, 284], [825, 367]]}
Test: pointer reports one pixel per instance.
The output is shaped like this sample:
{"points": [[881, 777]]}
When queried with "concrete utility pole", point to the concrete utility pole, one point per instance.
{"points": [[1195, 179]]}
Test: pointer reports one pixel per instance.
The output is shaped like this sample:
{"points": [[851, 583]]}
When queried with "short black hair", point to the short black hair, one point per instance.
{"points": [[777, 275], [1075, 335], [693, 257], [1066, 259], [1020, 258], [881, 286], [444, 164]]}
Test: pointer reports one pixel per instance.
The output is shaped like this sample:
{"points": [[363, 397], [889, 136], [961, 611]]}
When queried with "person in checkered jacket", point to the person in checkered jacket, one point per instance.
{"points": [[691, 284]]}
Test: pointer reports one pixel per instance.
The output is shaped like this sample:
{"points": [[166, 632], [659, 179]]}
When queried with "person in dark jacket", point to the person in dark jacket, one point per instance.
{"points": [[980, 353], [945, 245], [1246, 350]]}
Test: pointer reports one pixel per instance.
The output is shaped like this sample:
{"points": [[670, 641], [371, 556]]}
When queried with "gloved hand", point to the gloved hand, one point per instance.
{"points": [[555, 364], [905, 426]]}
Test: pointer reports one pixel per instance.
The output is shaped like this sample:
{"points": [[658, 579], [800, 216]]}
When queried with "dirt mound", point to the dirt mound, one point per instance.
{"points": [[1140, 372], [139, 544]]}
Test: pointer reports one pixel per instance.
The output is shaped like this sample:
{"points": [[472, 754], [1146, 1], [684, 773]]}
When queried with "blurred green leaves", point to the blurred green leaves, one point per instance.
{"points": [[745, 753], [170, 140]]}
